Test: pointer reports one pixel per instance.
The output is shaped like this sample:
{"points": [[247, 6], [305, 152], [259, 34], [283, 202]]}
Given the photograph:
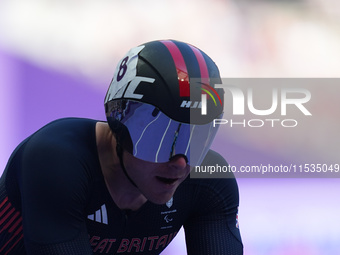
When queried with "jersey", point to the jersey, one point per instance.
{"points": [[54, 200]]}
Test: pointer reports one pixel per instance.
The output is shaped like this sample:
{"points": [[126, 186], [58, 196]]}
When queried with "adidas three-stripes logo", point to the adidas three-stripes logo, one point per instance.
{"points": [[100, 215]]}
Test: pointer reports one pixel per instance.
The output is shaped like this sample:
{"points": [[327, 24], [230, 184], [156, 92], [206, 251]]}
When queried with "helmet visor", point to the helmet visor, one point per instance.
{"points": [[155, 137]]}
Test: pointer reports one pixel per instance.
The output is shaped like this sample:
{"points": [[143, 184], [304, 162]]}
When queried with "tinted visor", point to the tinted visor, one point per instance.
{"points": [[155, 137]]}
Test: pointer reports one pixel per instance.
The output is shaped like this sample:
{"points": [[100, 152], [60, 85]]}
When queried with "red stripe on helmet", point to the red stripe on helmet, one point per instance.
{"points": [[182, 72], [202, 65], [204, 70]]}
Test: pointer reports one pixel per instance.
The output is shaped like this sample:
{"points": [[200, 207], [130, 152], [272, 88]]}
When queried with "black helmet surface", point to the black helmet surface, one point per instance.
{"points": [[163, 94]]}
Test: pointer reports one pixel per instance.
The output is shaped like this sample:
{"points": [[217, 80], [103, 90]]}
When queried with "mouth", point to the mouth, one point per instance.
{"points": [[168, 181]]}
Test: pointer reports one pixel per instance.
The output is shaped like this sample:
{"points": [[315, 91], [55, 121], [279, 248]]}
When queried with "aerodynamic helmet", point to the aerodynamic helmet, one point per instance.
{"points": [[162, 102]]}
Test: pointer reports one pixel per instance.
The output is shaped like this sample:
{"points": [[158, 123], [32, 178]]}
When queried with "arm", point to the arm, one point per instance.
{"points": [[53, 191], [213, 228]]}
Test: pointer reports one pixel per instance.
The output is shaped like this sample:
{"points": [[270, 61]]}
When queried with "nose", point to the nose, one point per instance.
{"points": [[178, 161]]}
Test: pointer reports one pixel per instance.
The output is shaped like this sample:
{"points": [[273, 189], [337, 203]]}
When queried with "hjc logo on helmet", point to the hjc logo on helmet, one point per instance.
{"points": [[206, 91], [125, 81]]}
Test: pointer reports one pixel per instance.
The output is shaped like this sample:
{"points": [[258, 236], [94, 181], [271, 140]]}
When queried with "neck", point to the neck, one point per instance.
{"points": [[125, 195]]}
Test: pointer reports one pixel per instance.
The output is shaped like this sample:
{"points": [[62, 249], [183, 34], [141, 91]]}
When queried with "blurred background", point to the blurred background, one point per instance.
{"points": [[57, 59]]}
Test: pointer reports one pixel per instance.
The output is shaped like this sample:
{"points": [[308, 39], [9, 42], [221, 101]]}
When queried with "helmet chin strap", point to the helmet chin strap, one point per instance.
{"points": [[120, 156]]}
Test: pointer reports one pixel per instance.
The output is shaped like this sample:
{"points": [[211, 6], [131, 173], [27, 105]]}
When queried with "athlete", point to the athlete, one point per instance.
{"points": [[82, 186]]}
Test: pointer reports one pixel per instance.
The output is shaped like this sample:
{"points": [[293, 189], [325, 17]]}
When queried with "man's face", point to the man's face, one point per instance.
{"points": [[157, 181]]}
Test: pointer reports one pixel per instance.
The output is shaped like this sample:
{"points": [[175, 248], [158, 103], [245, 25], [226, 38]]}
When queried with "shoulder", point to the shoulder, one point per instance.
{"points": [[62, 134], [213, 166], [62, 148], [210, 191], [73, 126], [213, 158]]}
